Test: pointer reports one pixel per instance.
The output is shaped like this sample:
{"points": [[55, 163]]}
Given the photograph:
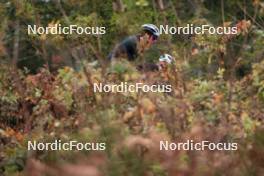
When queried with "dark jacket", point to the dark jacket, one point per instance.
{"points": [[126, 49], [148, 67]]}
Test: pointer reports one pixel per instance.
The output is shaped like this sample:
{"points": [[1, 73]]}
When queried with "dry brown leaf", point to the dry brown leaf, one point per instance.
{"points": [[128, 115], [147, 105]]}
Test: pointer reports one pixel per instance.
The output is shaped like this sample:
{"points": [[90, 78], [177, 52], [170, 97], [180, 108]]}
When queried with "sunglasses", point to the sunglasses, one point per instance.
{"points": [[154, 38]]}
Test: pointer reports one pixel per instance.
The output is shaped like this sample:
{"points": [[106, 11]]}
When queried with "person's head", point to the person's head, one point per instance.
{"points": [[165, 60], [149, 35]]}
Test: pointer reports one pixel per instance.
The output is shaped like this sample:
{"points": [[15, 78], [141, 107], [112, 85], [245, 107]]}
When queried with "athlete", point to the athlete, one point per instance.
{"points": [[164, 61], [133, 46]]}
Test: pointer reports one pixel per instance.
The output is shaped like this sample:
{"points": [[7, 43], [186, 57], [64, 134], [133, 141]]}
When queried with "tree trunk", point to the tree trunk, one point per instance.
{"points": [[62, 11], [16, 43], [119, 6], [160, 4]]}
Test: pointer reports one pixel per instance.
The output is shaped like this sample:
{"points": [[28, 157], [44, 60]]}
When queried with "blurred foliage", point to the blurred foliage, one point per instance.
{"points": [[46, 93], [258, 70]]}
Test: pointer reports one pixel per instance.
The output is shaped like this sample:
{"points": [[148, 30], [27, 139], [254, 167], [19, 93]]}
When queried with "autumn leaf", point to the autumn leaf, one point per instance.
{"points": [[147, 105]]}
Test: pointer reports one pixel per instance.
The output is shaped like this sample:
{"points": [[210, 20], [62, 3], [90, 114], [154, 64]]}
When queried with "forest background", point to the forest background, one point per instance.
{"points": [[46, 89]]}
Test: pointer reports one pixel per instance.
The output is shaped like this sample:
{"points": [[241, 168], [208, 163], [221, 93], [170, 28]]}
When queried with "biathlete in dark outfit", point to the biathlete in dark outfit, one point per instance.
{"points": [[164, 61], [131, 47]]}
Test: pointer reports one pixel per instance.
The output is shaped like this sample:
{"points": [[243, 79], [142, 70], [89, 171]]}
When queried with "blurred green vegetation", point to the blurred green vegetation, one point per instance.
{"points": [[46, 89]]}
